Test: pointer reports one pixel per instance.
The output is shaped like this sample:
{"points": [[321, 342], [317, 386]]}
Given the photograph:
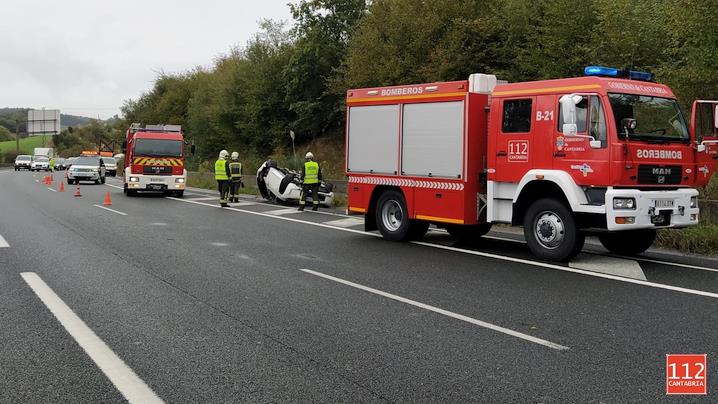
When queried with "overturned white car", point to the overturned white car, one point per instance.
{"points": [[284, 185]]}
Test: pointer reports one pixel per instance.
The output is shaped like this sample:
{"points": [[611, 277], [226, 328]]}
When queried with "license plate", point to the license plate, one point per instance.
{"points": [[663, 203], [156, 186]]}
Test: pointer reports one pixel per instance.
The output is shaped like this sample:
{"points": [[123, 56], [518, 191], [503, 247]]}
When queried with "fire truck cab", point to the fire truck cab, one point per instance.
{"points": [[609, 154]]}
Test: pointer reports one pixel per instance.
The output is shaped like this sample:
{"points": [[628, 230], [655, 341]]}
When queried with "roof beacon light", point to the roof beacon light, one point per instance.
{"points": [[617, 73]]}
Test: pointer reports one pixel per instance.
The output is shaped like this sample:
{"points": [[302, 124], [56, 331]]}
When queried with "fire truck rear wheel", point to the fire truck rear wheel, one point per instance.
{"points": [[551, 231], [631, 242], [392, 218]]}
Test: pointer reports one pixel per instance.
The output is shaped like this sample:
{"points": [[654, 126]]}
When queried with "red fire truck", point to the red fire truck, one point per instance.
{"points": [[608, 154], [154, 159]]}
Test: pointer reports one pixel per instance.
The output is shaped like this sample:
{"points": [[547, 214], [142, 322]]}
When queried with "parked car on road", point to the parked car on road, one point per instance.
{"points": [[40, 163], [86, 168], [23, 162], [69, 161], [110, 165]]}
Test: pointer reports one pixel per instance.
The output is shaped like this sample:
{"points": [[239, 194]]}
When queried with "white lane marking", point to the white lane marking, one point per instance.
{"points": [[53, 190], [218, 244], [158, 224], [609, 265], [447, 313], [479, 253], [243, 203], [111, 210], [37, 180], [208, 198], [348, 222], [281, 212], [3, 243], [125, 379], [114, 186], [573, 270], [641, 259]]}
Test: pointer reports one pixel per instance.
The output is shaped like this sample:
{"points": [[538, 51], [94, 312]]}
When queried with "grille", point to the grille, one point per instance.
{"points": [[655, 174], [157, 170]]}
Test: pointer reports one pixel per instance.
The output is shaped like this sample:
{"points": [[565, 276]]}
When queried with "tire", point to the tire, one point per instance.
{"points": [[391, 216], [470, 232], [630, 242], [551, 231], [179, 194]]}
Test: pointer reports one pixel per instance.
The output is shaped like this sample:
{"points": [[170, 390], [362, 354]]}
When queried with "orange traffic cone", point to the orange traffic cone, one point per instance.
{"points": [[44, 179], [77, 191], [108, 200], [62, 186]]}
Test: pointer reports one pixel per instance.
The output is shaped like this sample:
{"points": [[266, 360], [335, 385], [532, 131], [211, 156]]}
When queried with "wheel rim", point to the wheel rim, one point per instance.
{"points": [[549, 230], [392, 215]]}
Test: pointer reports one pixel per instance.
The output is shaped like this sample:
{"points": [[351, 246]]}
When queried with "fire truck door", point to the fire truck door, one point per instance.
{"points": [[704, 129], [586, 155], [514, 142]]}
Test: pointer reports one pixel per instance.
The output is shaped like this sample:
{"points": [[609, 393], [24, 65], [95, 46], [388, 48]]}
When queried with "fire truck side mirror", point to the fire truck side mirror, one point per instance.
{"points": [[124, 146], [192, 149]]}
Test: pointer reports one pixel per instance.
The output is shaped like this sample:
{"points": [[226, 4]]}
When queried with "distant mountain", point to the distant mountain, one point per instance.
{"points": [[8, 116]]}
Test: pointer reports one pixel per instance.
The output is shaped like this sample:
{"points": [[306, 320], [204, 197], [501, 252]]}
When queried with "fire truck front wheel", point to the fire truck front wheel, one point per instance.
{"points": [[551, 231], [631, 242], [392, 219]]}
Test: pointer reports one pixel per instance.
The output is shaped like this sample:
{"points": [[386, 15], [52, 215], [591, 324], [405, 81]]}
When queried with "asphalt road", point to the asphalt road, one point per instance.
{"points": [[258, 303]]}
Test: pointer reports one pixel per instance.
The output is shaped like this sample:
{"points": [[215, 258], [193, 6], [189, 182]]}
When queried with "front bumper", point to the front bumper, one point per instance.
{"points": [[40, 167], [653, 210], [156, 182]]}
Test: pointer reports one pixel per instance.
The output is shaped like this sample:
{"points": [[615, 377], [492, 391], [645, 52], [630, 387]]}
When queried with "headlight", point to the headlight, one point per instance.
{"points": [[179, 180], [624, 203], [694, 202], [134, 179]]}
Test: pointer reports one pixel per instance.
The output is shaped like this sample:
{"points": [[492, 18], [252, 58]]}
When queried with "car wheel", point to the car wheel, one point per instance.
{"points": [[551, 231], [391, 216], [630, 242]]}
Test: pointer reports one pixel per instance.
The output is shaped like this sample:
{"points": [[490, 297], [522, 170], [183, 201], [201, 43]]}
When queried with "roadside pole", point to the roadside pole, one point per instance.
{"points": [[17, 135]]}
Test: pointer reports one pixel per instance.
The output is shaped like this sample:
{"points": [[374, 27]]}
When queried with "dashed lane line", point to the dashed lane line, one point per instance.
{"points": [[111, 210], [50, 189], [438, 310], [3, 243], [125, 379], [479, 253]]}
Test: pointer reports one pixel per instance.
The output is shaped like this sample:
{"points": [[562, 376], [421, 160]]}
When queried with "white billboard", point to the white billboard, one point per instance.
{"points": [[43, 122]]}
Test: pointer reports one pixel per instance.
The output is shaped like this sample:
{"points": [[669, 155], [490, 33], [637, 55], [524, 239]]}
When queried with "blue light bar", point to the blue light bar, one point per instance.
{"points": [[618, 73], [603, 71], [642, 76]]}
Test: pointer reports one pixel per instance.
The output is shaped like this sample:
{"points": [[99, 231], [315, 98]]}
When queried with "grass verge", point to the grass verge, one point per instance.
{"points": [[701, 239], [199, 180]]}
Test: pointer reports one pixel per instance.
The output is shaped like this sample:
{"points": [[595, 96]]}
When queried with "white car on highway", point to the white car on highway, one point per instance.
{"points": [[110, 165], [40, 163], [86, 168]]}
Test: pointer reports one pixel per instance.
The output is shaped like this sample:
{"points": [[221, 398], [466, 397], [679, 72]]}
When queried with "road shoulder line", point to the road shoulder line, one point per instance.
{"points": [[111, 210]]}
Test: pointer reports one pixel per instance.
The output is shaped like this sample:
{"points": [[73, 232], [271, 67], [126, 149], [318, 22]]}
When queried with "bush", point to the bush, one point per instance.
{"points": [[701, 239]]}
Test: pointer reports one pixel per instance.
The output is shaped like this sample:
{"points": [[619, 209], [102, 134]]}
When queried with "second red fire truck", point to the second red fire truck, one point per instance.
{"points": [[609, 154]]}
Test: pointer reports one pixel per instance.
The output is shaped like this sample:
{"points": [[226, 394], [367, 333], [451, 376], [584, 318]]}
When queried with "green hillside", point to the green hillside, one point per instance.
{"points": [[26, 144]]}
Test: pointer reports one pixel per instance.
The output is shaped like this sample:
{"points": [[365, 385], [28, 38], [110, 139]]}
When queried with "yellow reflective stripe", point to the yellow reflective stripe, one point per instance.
{"points": [[406, 97], [360, 210], [440, 219], [548, 90]]}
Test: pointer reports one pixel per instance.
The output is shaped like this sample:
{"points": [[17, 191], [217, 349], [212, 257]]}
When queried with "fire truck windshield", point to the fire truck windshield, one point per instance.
{"points": [[657, 119], [158, 148]]}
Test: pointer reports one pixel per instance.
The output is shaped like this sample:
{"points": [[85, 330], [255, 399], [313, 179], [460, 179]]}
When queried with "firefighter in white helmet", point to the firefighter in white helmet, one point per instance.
{"points": [[311, 176], [222, 175], [235, 177]]}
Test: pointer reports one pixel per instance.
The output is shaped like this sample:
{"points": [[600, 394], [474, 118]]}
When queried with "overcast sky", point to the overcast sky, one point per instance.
{"points": [[85, 57]]}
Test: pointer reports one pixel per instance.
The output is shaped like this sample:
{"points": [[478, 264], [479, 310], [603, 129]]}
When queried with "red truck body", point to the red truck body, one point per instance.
{"points": [[467, 154]]}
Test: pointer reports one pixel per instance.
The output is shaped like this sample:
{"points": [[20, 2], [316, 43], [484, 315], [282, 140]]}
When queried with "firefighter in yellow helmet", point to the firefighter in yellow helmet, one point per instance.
{"points": [[222, 175], [235, 177], [311, 176]]}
